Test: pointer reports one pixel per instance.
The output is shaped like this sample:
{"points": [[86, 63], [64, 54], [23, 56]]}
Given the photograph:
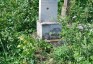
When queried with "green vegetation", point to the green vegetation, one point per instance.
{"points": [[18, 45]]}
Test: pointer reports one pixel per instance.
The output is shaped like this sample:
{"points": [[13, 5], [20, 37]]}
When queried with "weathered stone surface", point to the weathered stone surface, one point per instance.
{"points": [[48, 26], [48, 31], [48, 10]]}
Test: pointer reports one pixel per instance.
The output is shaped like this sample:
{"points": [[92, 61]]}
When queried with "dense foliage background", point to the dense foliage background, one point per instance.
{"points": [[18, 45]]}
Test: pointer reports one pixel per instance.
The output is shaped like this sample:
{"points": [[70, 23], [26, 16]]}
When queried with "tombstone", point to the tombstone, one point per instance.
{"points": [[47, 26]]}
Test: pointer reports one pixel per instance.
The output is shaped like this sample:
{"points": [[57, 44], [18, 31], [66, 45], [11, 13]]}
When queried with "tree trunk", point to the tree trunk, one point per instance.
{"points": [[65, 8]]}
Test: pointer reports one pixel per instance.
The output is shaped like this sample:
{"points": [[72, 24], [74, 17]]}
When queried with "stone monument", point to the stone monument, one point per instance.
{"points": [[48, 27]]}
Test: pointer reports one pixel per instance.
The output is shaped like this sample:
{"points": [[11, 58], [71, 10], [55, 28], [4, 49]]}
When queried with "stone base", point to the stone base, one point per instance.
{"points": [[55, 42], [48, 30]]}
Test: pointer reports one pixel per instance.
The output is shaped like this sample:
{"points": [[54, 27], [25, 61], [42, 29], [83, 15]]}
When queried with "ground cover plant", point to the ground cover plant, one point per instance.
{"points": [[18, 45]]}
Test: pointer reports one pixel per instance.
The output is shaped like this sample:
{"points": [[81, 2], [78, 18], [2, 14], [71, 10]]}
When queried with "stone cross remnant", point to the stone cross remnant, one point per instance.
{"points": [[47, 26]]}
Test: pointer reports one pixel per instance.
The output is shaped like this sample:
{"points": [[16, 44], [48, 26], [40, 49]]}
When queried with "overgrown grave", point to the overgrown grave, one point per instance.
{"points": [[48, 27]]}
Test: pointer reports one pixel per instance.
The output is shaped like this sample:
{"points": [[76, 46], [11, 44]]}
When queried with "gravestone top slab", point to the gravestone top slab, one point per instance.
{"points": [[48, 10]]}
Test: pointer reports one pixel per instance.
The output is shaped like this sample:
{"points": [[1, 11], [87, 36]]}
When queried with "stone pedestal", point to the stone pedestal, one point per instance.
{"points": [[48, 30]]}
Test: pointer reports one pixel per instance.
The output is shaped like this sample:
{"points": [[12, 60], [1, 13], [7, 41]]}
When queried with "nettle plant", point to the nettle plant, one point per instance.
{"points": [[78, 44], [16, 17]]}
